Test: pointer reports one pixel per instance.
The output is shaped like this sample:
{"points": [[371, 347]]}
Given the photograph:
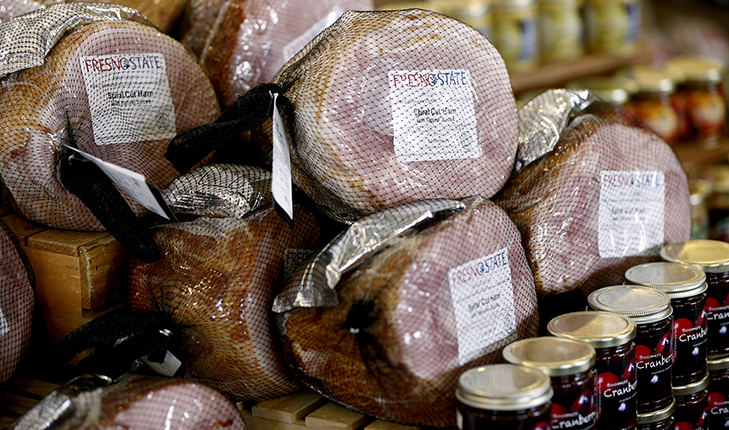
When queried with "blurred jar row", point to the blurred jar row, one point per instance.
{"points": [[532, 32]]}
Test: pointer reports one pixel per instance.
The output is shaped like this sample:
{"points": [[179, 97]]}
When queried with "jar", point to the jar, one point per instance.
{"points": [[651, 310], [560, 30], [569, 364], [615, 365], [692, 405], [503, 396], [515, 33], [661, 419], [617, 90], [652, 102], [476, 13], [700, 191], [712, 257], [718, 397], [686, 286], [612, 26], [717, 177]]}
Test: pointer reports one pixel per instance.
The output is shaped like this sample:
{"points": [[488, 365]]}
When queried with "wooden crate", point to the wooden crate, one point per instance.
{"points": [[79, 276]]}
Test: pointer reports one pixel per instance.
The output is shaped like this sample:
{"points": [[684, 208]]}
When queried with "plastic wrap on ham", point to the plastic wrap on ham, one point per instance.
{"points": [[604, 195], [217, 279], [12, 8], [242, 43], [135, 402], [17, 300], [116, 89], [413, 315]]}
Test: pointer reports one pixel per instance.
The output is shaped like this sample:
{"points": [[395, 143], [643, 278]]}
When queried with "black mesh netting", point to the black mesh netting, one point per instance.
{"points": [[217, 279], [415, 315], [606, 198], [13, 8], [137, 402], [242, 43], [119, 90], [17, 300]]}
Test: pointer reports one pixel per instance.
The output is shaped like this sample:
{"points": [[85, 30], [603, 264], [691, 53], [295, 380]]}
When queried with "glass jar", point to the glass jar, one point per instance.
{"points": [[515, 33], [661, 419], [615, 365], [617, 90], [612, 26], [560, 30], [651, 310], [686, 286], [503, 396], [652, 102], [692, 405], [476, 13], [711, 256], [700, 191], [718, 397], [569, 364]]}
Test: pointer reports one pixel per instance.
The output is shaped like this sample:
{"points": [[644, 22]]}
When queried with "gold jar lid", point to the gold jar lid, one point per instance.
{"points": [[504, 387], [554, 356], [510, 5], [675, 279], [614, 89], [599, 329], [695, 69], [717, 362], [711, 256], [717, 175], [642, 304], [659, 415], [649, 79], [692, 388]]}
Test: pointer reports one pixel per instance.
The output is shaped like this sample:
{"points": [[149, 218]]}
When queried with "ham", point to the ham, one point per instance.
{"points": [[17, 300], [414, 315]]}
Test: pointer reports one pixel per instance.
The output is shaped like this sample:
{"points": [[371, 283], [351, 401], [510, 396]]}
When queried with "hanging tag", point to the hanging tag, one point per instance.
{"points": [[168, 367], [281, 175], [134, 184]]}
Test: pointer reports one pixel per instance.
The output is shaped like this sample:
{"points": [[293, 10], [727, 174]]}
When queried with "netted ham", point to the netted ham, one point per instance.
{"points": [[415, 315], [136, 402], [16, 303], [116, 90], [13, 8], [217, 279], [242, 43], [605, 198]]}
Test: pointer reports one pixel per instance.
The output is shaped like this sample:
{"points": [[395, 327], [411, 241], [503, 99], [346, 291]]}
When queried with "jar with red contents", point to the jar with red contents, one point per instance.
{"points": [[718, 393], [569, 364], [615, 364], [652, 102], [504, 397], [651, 310], [661, 419], [686, 286], [692, 406], [711, 256]]}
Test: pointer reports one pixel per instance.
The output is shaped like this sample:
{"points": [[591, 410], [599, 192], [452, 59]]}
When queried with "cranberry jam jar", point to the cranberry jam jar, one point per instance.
{"points": [[615, 364], [569, 364], [661, 419], [651, 310], [711, 256], [718, 393], [692, 406], [686, 287], [504, 397]]}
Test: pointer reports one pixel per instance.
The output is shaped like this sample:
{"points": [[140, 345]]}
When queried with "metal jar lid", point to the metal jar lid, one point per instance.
{"points": [[659, 415], [692, 388], [599, 329], [650, 79], [695, 69], [711, 256], [554, 356], [642, 304], [613, 89], [675, 279], [504, 387], [717, 363]]}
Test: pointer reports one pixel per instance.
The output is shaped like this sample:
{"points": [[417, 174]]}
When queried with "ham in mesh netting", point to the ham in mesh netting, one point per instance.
{"points": [[242, 43], [604, 197], [416, 305], [17, 300]]}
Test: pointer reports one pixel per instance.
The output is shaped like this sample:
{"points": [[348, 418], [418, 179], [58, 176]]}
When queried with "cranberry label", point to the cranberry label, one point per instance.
{"points": [[654, 356], [581, 414], [690, 332], [717, 307], [616, 387]]}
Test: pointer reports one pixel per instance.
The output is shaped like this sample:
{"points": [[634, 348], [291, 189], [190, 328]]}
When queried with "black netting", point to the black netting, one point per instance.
{"points": [[605, 199], [242, 43], [414, 316], [12, 8], [17, 300]]}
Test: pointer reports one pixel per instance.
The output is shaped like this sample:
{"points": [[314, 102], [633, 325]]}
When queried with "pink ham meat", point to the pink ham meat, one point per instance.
{"points": [[345, 137], [242, 43], [217, 279], [556, 203], [16, 303], [38, 104], [394, 347], [12, 8]]}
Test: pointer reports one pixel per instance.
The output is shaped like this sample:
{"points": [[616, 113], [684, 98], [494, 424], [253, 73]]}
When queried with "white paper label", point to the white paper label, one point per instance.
{"points": [[433, 116], [4, 326], [168, 367], [281, 171], [133, 183], [293, 47], [632, 205], [292, 259], [483, 301], [129, 98]]}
